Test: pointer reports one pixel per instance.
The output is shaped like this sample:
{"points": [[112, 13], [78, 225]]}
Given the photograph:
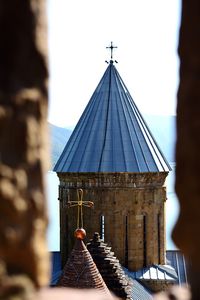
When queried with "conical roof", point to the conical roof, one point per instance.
{"points": [[111, 135], [81, 272]]}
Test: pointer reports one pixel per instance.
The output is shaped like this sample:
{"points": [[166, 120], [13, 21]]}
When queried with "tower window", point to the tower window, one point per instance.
{"points": [[126, 243], [158, 226], [145, 240], [102, 227]]}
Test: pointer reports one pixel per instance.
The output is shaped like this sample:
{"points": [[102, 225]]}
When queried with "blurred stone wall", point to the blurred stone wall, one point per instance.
{"points": [[187, 230], [24, 260]]}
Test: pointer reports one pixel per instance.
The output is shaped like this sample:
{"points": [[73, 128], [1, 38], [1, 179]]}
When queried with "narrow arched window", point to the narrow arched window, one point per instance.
{"points": [[145, 240], [158, 230], [126, 243], [102, 227]]}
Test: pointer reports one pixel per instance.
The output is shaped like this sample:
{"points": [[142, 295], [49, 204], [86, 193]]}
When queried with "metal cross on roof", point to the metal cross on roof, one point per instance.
{"points": [[80, 203], [111, 47]]}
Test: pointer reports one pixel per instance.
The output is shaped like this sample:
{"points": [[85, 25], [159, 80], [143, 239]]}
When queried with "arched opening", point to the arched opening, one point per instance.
{"points": [[158, 232], [126, 243], [145, 240], [102, 227]]}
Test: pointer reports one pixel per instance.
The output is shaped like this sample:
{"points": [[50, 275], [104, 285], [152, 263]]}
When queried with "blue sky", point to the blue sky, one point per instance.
{"points": [[146, 33]]}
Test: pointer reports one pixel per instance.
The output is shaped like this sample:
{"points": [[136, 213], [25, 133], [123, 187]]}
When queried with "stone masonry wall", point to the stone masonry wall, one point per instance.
{"points": [[124, 199]]}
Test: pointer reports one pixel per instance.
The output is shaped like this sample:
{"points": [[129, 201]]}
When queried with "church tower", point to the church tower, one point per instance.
{"points": [[113, 157]]}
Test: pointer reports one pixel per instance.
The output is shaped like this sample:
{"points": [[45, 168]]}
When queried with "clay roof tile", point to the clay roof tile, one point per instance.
{"points": [[81, 272]]}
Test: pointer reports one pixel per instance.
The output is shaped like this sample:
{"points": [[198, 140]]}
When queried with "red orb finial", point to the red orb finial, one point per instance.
{"points": [[80, 233]]}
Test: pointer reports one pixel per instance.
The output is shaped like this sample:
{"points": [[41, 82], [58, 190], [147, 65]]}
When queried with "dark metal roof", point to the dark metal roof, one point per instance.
{"points": [[140, 292], [176, 259], [55, 267], [154, 272], [111, 135]]}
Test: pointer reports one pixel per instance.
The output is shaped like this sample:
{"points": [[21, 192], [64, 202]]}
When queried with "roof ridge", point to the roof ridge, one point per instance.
{"points": [[166, 269]]}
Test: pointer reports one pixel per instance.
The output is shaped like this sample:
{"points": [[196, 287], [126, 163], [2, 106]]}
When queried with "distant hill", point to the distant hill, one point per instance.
{"points": [[162, 128], [58, 139]]}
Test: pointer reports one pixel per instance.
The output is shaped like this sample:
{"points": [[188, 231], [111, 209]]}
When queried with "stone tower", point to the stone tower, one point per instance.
{"points": [[114, 158]]}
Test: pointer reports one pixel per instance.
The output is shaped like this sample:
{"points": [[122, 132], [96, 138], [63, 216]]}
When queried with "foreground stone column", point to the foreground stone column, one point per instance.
{"points": [[187, 230], [23, 111]]}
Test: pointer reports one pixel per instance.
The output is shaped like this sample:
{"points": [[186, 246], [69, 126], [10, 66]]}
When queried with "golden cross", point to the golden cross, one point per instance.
{"points": [[80, 203]]}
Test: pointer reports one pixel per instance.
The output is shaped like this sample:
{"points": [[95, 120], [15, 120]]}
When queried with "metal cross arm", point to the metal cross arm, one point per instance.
{"points": [[80, 203], [77, 203], [111, 47]]}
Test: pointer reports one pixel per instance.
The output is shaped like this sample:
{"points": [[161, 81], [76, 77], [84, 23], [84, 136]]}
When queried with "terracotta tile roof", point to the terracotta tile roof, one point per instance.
{"points": [[110, 268], [81, 272]]}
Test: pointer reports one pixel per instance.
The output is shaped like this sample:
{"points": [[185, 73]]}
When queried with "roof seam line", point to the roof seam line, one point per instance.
{"points": [[106, 126]]}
